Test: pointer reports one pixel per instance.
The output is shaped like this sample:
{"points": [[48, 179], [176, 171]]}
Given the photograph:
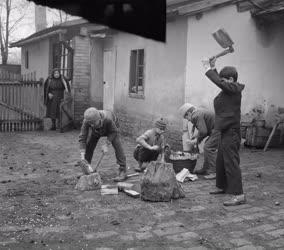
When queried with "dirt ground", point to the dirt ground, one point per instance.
{"points": [[40, 209]]}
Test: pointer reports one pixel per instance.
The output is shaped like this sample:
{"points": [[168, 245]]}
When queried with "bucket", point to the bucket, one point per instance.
{"points": [[181, 160]]}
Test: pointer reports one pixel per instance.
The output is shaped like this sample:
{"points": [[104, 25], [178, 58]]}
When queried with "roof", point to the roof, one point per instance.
{"points": [[57, 29], [193, 7], [273, 13]]}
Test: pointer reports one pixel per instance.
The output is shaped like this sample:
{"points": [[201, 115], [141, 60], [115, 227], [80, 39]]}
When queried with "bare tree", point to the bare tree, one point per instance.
{"points": [[8, 23], [59, 16]]}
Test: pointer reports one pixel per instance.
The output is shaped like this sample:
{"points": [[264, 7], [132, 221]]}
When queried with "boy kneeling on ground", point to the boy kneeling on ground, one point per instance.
{"points": [[150, 145]]}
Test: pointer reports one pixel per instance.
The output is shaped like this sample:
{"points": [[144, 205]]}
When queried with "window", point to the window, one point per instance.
{"points": [[136, 74], [62, 55], [26, 59]]}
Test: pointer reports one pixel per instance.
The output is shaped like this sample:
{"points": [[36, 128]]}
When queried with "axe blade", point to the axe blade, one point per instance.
{"points": [[223, 38]]}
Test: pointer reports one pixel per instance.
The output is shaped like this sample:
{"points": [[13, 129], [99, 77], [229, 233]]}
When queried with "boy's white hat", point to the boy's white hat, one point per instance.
{"points": [[184, 108]]}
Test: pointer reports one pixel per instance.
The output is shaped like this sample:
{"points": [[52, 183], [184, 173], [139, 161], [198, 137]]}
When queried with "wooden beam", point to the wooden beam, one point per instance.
{"points": [[19, 111]]}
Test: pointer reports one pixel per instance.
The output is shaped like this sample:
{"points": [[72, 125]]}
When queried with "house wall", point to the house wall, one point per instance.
{"points": [[164, 80], [258, 56], [81, 76], [38, 59]]}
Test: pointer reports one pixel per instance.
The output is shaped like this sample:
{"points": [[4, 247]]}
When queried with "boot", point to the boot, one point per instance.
{"points": [[140, 168], [217, 191], [236, 200], [121, 176], [201, 171]]}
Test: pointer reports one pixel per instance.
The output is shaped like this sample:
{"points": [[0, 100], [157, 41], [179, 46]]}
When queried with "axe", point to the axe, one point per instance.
{"points": [[225, 41]]}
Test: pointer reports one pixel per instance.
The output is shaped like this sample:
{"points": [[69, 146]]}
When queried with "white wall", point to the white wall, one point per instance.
{"points": [[258, 56], [164, 73], [38, 58], [96, 65]]}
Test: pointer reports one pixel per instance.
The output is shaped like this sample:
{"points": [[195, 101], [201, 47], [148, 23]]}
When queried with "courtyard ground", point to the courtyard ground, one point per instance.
{"points": [[40, 209]]}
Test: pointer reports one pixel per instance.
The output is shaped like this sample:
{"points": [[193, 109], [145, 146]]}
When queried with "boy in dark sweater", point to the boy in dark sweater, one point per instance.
{"points": [[227, 106]]}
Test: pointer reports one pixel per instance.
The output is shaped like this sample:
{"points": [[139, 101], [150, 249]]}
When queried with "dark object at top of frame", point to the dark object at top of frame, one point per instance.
{"points": [[146, 18]]}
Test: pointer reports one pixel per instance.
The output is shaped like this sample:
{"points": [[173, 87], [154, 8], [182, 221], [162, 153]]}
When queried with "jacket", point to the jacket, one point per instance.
{"points": [[109, 128], [203, 120], [227, 104]]}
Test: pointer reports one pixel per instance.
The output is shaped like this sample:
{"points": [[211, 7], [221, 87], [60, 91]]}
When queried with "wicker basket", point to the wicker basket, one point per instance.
{"points": [[180, 164]]}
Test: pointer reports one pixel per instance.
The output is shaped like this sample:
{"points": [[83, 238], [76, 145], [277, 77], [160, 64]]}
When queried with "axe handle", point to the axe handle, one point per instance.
{"points": [[223, 53], [99, 161]]}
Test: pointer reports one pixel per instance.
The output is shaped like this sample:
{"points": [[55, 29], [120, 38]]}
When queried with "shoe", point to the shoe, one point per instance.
{"points": [[90, 169], [121, 176], [210, 176], [217, 191], [236, 200], [139, 170], [201, 172]]}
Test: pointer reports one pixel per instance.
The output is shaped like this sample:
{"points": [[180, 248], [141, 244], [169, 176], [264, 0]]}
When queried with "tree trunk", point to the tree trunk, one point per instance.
{"points": [[6, 46], [2, 49]]}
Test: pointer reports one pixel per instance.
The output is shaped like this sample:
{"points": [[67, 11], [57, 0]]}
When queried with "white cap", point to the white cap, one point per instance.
{"points": [[91, 114], [184, 108]]}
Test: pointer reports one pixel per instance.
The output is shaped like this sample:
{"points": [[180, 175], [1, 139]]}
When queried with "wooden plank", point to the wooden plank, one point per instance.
{"points": [[270, 136], [109, 189], [201, 6], [19, 110], [244, 6]]}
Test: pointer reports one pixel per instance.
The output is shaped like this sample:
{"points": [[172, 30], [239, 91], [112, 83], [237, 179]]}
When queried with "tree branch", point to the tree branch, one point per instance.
{"points": [[16, 22]]}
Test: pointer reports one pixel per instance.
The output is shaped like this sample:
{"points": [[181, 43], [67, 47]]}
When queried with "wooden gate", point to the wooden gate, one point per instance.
{"points": [[66, 121], [21, 105]]}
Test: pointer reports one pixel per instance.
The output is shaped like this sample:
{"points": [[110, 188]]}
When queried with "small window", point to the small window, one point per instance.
{"points": [[27, 59], [136, 74]]}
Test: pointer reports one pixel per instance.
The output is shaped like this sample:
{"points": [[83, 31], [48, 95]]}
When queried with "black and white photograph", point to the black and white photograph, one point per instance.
{"points": [[141, 124]]}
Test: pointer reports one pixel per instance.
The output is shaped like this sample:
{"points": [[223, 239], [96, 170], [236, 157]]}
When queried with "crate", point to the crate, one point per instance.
{"points": [[258, 136]]}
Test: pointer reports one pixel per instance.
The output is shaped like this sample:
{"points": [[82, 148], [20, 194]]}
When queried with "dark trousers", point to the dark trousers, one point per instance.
{"points": [[119, 153], [228, 172], [142, 154], [210, 151]]}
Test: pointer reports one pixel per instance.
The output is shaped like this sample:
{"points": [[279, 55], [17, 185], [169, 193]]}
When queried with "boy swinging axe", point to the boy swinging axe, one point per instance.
{"points": [[101, 123]]}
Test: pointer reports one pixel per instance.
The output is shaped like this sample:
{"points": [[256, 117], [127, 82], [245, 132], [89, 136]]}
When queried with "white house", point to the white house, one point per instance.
{"points": [[142, 79]]}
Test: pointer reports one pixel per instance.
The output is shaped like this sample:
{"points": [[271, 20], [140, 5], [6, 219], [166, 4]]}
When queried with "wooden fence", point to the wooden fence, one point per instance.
{"points": [[21, 105], [8, 76]]}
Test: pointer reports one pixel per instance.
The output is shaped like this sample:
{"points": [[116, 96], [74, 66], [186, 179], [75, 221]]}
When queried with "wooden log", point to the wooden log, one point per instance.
{"points": [[109, 189]]}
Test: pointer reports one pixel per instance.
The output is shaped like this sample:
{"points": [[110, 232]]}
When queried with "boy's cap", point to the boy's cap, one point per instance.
{"points": [[184, 108], [161, 124], [91, 114]]}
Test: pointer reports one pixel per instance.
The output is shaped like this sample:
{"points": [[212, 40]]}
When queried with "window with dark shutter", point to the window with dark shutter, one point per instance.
{"points": [[136, 73]]}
